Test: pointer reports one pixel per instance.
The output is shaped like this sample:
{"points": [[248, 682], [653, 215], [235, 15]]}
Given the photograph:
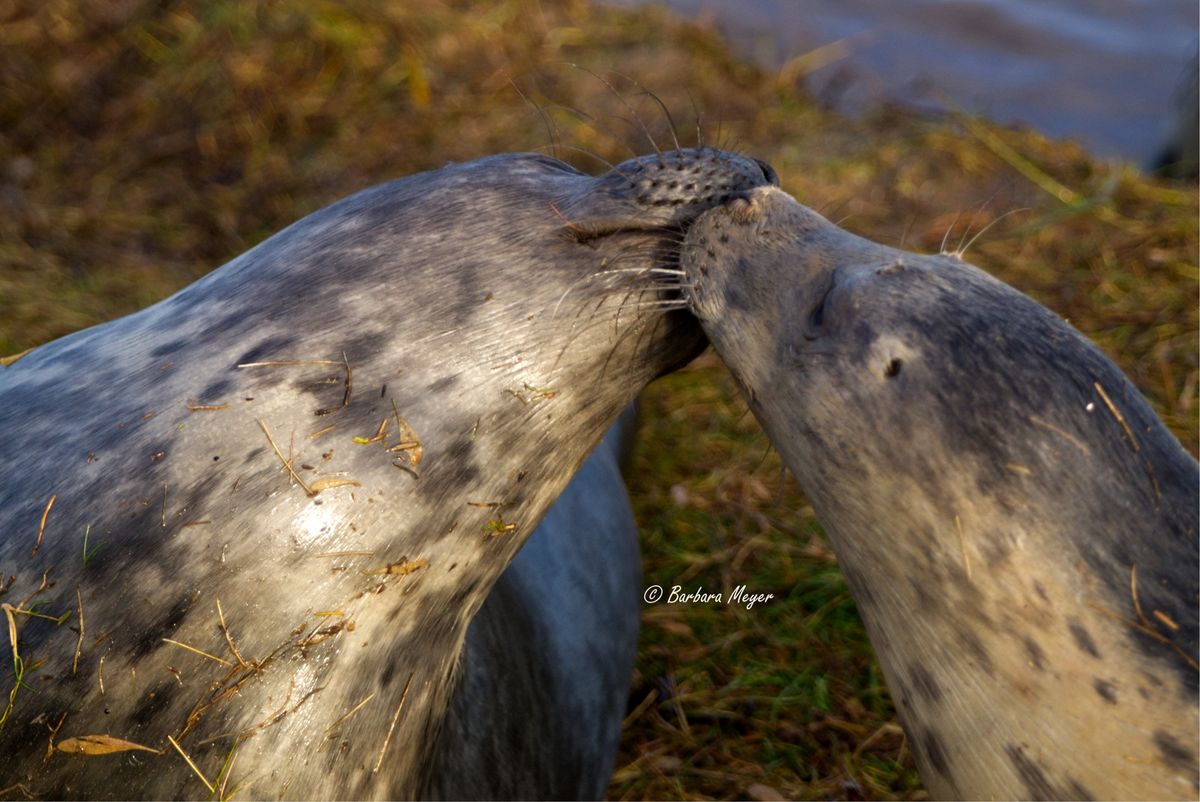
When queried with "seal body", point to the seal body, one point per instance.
{"points": [[549, 656], [247, 527], [1018, 528]]}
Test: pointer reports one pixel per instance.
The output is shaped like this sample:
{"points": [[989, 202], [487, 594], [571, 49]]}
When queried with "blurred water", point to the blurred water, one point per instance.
{"points": [[1106, 72]]}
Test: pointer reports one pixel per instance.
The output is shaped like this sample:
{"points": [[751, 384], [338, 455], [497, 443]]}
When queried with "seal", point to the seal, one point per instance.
{"points": [[554, 711], [246, 529], [1017, 527]]}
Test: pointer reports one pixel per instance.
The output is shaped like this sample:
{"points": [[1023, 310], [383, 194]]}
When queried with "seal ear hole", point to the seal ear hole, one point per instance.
{"points": [[893, 369]]}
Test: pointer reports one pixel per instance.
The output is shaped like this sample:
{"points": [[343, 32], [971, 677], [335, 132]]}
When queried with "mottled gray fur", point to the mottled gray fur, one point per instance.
{"points": [[1018, 527], [491, 310]]}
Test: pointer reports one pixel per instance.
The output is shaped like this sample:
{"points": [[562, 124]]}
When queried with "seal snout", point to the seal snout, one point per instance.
{"points": [[755, 204], [692, 179], [661, 191]]}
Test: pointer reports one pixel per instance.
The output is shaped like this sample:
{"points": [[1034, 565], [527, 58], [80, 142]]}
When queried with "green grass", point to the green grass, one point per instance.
{"points": [[142, 145]]}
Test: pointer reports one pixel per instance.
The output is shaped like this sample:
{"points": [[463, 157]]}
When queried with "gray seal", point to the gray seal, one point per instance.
{"points": [[1017, 526], [548, 658], [247, 528]]}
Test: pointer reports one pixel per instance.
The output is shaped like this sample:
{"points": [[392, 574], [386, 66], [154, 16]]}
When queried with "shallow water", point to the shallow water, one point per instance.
{"points": [[1106, 72]]}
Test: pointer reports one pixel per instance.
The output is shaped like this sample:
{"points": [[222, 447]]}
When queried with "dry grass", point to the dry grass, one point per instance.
{"points": [[142, 144]]}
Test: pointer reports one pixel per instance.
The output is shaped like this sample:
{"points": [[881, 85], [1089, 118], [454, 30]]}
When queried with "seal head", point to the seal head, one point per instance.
{"points": [[1017, 526]]}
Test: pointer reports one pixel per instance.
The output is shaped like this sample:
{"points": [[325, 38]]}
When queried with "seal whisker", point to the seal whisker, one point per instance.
{"points": [[594, 321], [629, 254], [639, 329], [586, 152], [641, 271], [596, 125], [612, 89], [551, 129], [669, 304], [962, 251], [946, 236], [696, 113], [666, 113], [974, 216]]}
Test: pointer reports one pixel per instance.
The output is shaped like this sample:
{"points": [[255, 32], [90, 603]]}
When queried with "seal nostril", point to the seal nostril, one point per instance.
{"points": [[816, 318], [893, 369], [768, 172]]}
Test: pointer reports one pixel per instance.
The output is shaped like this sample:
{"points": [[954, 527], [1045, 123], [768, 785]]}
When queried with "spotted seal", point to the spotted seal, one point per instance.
{"points": [[1017, 527], [247, 528]]}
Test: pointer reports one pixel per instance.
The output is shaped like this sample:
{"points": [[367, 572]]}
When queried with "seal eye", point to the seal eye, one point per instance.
{"points": [[893, 369]]}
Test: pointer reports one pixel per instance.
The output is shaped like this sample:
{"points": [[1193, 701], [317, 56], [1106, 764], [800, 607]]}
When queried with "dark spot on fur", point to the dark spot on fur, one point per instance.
{"points": [[443, 384], [389, 671], [151, 638], [215, 390], [1041, 591], [268, 349], [1083, 638], [924, 684], [893, 369], [1036, 655], [1031, 774], [1076, 790], [1106, 690], [996, 548], [166, 349], [864, 595], [364, 344], [461, 454], [925, 600], [155, 703], [1176, 756], [935, 753], [977, 650]]}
